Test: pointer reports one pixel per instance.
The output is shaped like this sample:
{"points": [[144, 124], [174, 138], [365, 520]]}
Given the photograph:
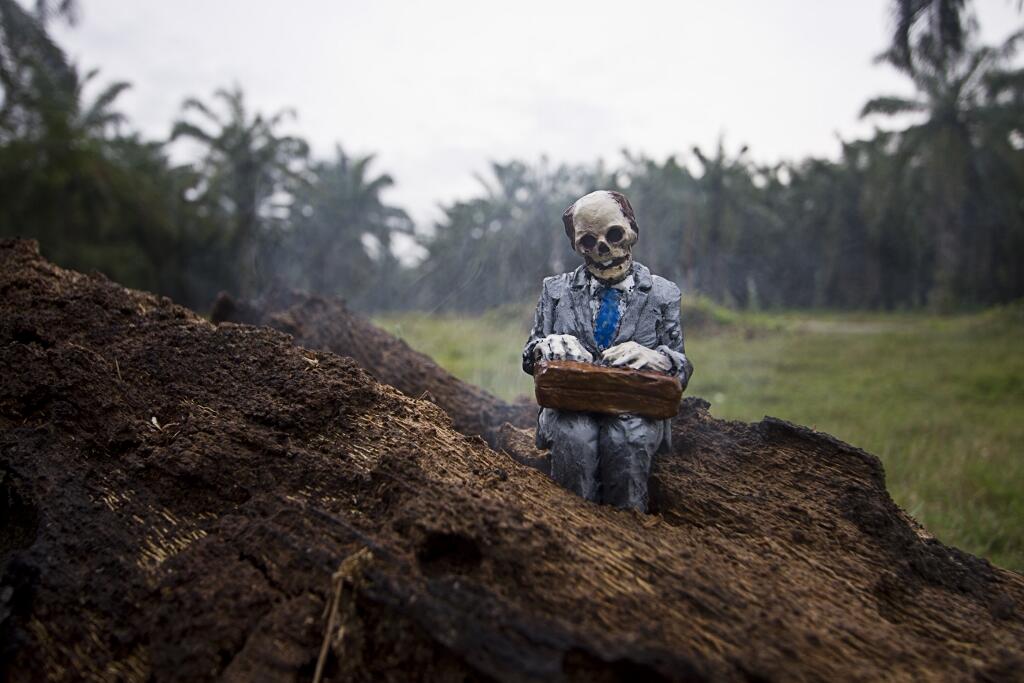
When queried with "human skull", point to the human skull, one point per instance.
{"points": [[603, 230]]}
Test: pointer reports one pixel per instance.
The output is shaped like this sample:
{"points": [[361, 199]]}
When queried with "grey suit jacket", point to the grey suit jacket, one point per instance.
{"points": [[651, 319]]}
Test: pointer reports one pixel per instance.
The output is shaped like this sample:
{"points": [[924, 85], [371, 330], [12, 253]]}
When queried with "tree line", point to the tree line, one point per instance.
{"points": [[929, 214]]}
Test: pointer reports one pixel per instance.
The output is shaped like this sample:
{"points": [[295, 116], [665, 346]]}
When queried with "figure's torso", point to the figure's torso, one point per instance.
{"points": [[576, 306]]}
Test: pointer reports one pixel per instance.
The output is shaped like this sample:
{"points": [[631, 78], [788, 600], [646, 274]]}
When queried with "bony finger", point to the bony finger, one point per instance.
{"points": [[567, 348], [632, 354], [558, 347], [660, 362]]}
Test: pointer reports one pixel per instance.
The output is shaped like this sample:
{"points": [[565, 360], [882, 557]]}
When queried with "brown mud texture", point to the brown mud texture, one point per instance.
{"points": [[187, 501], [326, 323]]}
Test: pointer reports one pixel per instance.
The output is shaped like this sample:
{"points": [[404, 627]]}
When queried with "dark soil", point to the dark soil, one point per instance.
{"points": [[186, 501], [325, 323]]}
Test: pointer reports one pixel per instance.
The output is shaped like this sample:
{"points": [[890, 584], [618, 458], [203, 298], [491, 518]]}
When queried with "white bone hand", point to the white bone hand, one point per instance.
{"points": [[637, 357], [561, 347]]}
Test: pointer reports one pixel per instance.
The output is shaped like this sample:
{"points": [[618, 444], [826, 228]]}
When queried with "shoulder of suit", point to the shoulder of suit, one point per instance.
{"points": [[664, 289], [555, 285]]}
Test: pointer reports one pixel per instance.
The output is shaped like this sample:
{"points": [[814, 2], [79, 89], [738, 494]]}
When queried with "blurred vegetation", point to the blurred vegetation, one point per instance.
{"points": [[926, 214], [938, 399], [252, 211]]}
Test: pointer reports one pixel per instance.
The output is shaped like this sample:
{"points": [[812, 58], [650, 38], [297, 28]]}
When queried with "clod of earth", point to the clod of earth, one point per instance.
{"points": [[272, 495]]}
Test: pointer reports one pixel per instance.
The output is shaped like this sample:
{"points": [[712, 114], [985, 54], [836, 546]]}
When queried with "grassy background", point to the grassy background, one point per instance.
{"points": [[939, 399]]}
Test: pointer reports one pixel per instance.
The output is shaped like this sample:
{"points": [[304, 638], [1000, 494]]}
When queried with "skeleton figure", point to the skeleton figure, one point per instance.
{"points": [[610, 310]]}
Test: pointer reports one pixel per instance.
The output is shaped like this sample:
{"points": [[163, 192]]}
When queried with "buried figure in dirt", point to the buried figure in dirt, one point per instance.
{"points": [[610, 310]]}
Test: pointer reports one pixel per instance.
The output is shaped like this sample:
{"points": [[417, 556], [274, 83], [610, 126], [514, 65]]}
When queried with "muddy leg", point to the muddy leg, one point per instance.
{"points": [[627, 444], [572, 438]]}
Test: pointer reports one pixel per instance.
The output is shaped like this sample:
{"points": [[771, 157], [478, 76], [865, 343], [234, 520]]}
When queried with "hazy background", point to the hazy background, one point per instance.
{"points": [[437, 90], [417, 156], [848, 232]]}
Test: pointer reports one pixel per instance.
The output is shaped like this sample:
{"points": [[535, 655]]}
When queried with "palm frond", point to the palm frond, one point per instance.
{"points": [[193, 103], [24, 35], [1008, 49], [941, 28], [66, 9], [190, 130], [100, 106], [279, 117], [999, 81], [891, 105], [235, 101]]}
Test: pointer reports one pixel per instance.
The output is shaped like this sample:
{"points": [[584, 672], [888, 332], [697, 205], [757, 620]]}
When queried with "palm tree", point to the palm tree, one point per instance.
{"points": [[498, 246], [30, 63], [940, 26], [663, 195], [724, 190], [343, 228], [249, 171], [98, 118], [954, 104]]}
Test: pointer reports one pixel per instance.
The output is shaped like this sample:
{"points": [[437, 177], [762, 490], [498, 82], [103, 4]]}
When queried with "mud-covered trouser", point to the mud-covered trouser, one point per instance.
{"points": [[603, 458]]}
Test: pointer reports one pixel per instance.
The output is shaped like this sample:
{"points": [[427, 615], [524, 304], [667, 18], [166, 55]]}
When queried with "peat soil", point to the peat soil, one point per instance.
{"points": [[326, 323], [187, 501]]}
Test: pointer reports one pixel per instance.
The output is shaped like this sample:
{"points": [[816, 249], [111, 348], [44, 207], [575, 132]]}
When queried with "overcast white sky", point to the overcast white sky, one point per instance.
{"points": [[438, 88]]}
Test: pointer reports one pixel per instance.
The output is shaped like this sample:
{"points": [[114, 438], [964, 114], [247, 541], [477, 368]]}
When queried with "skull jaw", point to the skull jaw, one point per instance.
{"points": [[617, 270]]}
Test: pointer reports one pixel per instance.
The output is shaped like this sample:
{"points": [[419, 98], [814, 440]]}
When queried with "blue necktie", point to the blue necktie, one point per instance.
{"points": [[607, 318]]}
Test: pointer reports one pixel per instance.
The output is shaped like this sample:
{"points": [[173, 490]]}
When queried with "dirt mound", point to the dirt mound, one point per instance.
{"points": [[184, 501], [326, 323]]}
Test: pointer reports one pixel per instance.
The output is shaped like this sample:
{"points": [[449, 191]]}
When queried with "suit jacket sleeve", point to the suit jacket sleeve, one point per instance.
{"points": [[543, 323], [670, 338]]}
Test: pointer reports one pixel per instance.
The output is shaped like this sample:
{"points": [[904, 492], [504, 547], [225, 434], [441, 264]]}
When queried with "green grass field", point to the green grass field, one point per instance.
{"points": [[939, 399]]}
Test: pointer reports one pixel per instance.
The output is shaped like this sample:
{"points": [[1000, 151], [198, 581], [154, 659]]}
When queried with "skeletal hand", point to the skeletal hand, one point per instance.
{"points": [[637, 357], [561, 347]]}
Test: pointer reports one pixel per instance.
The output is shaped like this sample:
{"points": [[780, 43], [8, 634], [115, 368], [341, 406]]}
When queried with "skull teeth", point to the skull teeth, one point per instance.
{"points": [[606, 263]]}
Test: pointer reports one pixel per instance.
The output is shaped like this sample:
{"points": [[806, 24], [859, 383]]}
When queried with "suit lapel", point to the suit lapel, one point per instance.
{"points": [[635, 307], [580, 297]]}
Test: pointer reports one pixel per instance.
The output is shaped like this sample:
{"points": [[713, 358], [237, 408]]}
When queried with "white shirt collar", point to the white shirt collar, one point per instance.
{"points": [[626, 284]]}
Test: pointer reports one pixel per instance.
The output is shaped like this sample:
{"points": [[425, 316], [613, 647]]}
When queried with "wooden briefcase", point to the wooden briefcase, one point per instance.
{"points": [[570, 385]]}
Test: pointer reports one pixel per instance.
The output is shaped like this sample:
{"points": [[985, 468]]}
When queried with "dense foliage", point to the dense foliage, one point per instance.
{"points": [[929, 214]]}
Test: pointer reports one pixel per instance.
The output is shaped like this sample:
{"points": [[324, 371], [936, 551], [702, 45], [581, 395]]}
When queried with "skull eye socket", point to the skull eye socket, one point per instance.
{"points": [[616, 234], [588, 241]]}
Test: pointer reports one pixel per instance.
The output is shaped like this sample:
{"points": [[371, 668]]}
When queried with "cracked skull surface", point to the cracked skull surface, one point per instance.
{"points": [[603, 231]]}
